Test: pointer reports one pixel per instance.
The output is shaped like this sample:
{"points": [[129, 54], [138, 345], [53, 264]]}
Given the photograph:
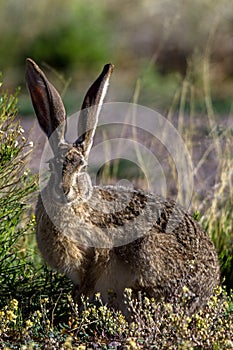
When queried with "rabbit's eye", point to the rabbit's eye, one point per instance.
{"points": [[58, 192], [56, 165], [51, 166]]}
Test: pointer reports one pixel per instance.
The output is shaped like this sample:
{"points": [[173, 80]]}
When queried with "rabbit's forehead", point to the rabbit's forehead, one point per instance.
{"points": [[74, 156], [68, 154]]}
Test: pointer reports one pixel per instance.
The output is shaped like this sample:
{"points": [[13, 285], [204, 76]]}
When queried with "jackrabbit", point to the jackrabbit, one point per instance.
{"points": [[78, 224]]}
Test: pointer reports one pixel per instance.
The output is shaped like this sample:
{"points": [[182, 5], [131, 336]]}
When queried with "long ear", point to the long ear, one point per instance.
{"points": [[47, 103], [91, 107]]}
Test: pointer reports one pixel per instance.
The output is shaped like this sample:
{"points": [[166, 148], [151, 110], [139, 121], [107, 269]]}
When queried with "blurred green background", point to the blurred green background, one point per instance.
{"points": [[155, 43]]}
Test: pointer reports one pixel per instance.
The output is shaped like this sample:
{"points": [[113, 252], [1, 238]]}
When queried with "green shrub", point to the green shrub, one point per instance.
{"points": [[16, 185], [24, 281], [18, 274]]}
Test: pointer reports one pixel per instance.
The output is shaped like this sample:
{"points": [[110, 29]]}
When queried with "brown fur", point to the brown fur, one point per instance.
{"points": [[112, 238]]}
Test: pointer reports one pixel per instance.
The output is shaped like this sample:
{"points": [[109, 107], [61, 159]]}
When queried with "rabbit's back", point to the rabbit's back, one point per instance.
{"points": [[164, 265], [166, 251]]}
